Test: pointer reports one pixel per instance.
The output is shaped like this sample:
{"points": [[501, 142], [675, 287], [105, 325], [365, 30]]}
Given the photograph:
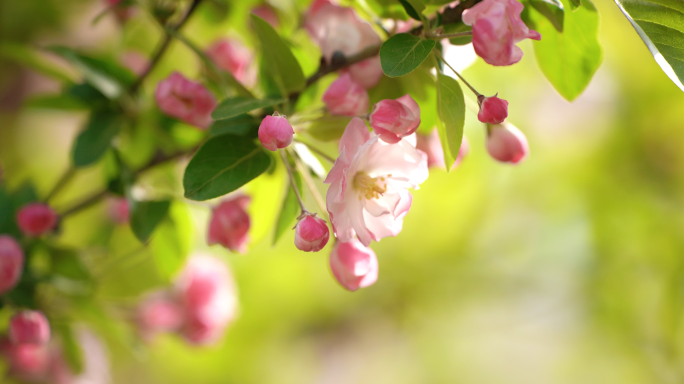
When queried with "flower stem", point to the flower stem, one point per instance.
{"points": [[311, 185], [61, 183], [317, 151], [449, 35], [290, 175], [439, 55]]}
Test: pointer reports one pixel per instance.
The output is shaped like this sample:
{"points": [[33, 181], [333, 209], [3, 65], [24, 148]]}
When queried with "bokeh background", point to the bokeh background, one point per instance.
{"points": [[568, 268]]}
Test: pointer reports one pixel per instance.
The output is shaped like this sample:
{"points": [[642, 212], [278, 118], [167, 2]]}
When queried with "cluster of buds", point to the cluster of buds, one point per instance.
{"points": [[26, 349]]}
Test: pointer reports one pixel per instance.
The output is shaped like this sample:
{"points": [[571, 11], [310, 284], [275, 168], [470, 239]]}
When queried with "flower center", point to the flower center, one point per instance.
{"points": [[369, 187]]}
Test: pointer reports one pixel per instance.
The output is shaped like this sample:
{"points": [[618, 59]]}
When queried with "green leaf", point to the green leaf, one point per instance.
{"points": [[551, 9], [451, 111], [240, 105], [171, 243], [403, 53], [328, 128], [33, 59], [68, 264], [241, 125], [71, 348], [58, 102], [413, 8], [146, 215], [660, 24], [281, 63], [575, 3], [222, 165], [569, 59], [94, 141], [289, 211]]}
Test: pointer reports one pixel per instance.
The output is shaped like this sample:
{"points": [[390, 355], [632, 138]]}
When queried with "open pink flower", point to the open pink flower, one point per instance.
{"points": [[492, 109], [432, 147], [353, 265], [496, 28], [35, 219], [11, 263], [233, 57], [368, 194], [185, 100], [394, 119], [506, 143], [229, 224], [345, 97]]}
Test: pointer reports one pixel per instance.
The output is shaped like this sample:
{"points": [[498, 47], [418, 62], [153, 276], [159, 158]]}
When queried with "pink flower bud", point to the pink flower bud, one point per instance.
{"points": [[345, 97], [185, 100], [366, 73], [27, 362], [267, 13], [134, 61], [159, 313], [118, 210], [506, 143], [311, 234], [275, 132], [492, 109], [394, 119], [229, 224], [233, 57], [29, 327], [35, 219], [432, 147], [353, 265], [11, 263]]}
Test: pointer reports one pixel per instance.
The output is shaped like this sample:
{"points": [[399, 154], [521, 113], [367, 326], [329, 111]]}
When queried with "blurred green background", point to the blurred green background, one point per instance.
{"points": [[568, 268]]}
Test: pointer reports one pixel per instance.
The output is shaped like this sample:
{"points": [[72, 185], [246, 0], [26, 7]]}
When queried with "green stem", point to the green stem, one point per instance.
{"points": [[439, 55]]}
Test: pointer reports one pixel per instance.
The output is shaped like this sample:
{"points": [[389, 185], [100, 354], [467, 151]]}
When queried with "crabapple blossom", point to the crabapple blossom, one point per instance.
{"points": [[496, 28], [506, 143], [118, 210], [346, 97], [493, 110], [29, 327], [275, 132], [368, 194], [229, 224], [11, 263], [394, 119], [160, 312], [27, 362], [353, 265], [432, 147], [208, 295], [366, 73], [35, 219], [233, 57], [311, 233], [185, 100]]}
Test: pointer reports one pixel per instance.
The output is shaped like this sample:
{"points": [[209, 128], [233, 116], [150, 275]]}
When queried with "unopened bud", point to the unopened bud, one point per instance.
{"points": [[394, 119], [185, 100], [492, 109], [353, 265], [36, 219], [311, 233], [345, 97], [11, 263], [229, 224], [29, 327], [506, 143], [275, 132]]}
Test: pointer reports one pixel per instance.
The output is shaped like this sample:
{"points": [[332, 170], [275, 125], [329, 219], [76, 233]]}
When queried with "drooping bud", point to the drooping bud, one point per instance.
{"points": [[185, 100], [11, 263], [229, 224], [506, 143], [432, 147], [311, 233], [275, 132], [233, 57], [29, 327], [345, 97], [35, 219], [394, 119], [118, 210], [353, 265], [492, 109]]}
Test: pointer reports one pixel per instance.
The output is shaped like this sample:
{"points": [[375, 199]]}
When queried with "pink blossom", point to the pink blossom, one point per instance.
{"points": [[160, 312], [432, 147], [134, 61], [233, 57], [267, 13], [27, 362], [35, 219], [311, 234], [345, 97], [185, 100], [275, 132], [492, 109], [208, 294], [29, 327], [394, 119], [118, 210], [353, 265], [368, 194], [229, 224], [496, 28], [506, 143], [122, 10], [11, 263], [366, 73]]}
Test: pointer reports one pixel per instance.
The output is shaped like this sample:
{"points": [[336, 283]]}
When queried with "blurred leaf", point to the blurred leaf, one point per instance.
{"points": [[289, 211], [146, 215], [240, 125], [551, 9], [413, 8], [403, 53], [89, 95], [575, 3], [660, 24], [96, 139], [171, 242], [282, 65], [569, 59], [222, 165], [59, 102], [240, 105], [108, 78], [31, 58], [71, 348], [328, 128], [451, 111], [68, 264]]}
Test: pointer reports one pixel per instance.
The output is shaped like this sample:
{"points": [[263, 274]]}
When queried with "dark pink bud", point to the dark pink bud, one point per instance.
{"points": [[119, 210], [11, 263], [345, 97], [36, 219], [492, 109], [29, 327], [311, 234], [185, 100], [353, 265], [27, 362], [229, 224], [506, 143], [394, 119], [367, 73], [275, 132]]}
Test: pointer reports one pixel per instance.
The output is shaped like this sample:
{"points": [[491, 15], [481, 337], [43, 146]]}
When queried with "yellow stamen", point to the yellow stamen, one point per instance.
{"points": [[369, 187]]}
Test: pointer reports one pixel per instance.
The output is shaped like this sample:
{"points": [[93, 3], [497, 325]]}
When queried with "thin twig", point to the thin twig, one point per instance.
{"points": [[61, 183], [290, 175], [310, 184], [449, 35], [457, 74]]}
